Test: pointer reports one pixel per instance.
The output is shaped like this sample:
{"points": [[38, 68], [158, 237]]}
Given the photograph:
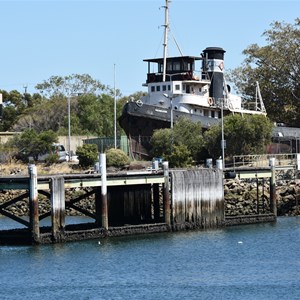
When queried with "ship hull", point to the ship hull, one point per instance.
{"points": [[139, 121]]}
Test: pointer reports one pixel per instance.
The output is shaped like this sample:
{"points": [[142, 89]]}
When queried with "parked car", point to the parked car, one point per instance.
{"points": [[58, 149]]}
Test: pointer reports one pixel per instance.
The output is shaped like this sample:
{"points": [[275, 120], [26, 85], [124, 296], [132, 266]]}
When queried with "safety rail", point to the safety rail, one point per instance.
{"points": [[281, 161]]}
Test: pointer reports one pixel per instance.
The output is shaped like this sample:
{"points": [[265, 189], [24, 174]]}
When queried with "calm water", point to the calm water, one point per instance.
{"points": [[245, 262]]}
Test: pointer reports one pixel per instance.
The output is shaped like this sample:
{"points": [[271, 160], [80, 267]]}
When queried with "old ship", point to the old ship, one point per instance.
{"points": [[184, 86]]}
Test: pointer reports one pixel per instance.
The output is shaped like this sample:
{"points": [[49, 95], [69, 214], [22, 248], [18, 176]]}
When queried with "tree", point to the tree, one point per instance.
{"points": [[93, 114], [14, 104], [91, 110], [244, 135], [44, 116], [181, 145], [161, 142], [276, 67], [189, 133], [71, 84], [31, 143]]}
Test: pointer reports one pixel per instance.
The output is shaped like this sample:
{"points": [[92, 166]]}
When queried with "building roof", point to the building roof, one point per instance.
{"points": [[293, 132]]}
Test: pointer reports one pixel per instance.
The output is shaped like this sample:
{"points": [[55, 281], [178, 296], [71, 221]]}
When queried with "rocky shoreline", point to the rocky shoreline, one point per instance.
{"points": [[248, 198]]}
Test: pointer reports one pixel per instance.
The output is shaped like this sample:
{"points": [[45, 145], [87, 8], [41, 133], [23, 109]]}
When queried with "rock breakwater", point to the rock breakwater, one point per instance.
{"points": [[249, 197]]}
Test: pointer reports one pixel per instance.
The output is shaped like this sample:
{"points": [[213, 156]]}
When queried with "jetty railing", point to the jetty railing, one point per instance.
{"points": [[286, 165]]}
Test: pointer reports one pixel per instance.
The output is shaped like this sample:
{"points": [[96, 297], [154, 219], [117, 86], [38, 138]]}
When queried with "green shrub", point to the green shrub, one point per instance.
{"points": [[180, 157], [116, 158], [87, 155], [53, 158]]}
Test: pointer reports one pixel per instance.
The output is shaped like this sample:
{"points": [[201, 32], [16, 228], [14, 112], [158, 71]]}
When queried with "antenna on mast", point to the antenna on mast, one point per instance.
{"points": [[165, 44]]}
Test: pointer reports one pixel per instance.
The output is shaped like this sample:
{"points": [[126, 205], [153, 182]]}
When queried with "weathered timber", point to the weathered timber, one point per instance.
{"points": [[104, 209], [197, 198], [33, 204], [57, 208]]}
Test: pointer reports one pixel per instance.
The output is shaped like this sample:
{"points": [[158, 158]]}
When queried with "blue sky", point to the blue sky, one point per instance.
{"points": [[40, 39]]}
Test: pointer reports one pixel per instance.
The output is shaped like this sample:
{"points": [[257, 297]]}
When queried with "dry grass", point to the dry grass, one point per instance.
{"points": [[18, 168]]}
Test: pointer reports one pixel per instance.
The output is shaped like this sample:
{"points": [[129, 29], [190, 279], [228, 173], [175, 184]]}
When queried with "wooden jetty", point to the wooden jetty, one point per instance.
{"points": [[125, 203]]}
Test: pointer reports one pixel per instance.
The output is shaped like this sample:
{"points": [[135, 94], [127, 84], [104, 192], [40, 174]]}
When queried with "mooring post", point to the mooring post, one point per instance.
{"points": [[156, 207], [57, 189], [33, 204], [273, 200], [104, 191], [167, 206]]}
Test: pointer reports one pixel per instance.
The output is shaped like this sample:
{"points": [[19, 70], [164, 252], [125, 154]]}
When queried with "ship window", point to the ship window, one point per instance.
{"points": [[183, 87], [152, 88], [169, 87], [177, 87], [212, 114], [164, 87], [169, 67], [186, 66], [176, 66], [158, 88], [160, 68]]}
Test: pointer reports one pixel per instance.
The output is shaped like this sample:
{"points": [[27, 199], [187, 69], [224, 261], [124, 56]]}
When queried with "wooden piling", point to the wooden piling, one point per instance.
{"points": [[33, 204], [273, 198], [98, 207], [167, 206], [104, 209], [156, 206], [57, 208]]}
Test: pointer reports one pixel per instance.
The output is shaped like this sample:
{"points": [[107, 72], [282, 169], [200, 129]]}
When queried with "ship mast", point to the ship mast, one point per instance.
{"points": [[165, 44]]}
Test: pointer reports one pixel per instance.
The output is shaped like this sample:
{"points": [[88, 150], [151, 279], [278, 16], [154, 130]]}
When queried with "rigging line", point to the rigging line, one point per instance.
{"points": [[177, 45], [159, 45], [157, 49]]}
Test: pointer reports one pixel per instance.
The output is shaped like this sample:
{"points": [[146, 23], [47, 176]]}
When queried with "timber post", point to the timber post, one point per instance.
{"points": [[273, 200], [104, 210], [167, 204], [58, 208], [33, 204], [156, 207]]}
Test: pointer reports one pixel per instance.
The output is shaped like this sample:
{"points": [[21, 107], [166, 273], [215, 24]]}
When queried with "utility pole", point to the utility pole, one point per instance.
{"points": [[115, 108]]}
